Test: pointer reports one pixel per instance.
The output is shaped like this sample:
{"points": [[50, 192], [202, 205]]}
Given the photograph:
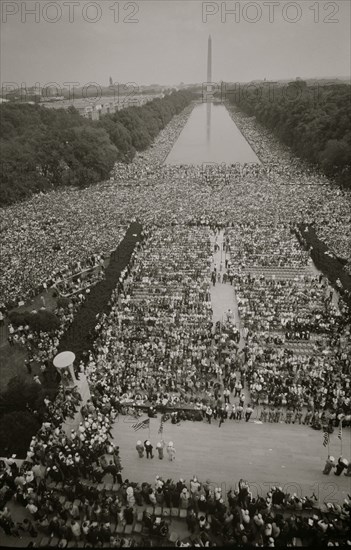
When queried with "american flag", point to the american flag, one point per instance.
{"points": [[326, 437], [340, 430], [141, 425]]}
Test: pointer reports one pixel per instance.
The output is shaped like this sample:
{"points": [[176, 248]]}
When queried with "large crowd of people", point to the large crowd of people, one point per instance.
{"points": [[69, 511], [157, 346], [162, 326], [49, 232]]}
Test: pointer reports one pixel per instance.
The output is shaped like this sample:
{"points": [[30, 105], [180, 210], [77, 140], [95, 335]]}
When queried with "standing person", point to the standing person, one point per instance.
{"points": [[308, 417], [278, 414], [248, 412], [112, 469], [209, 414], [330, 463], [140, 448], [119, 469], [242, 399], [341, 465], [159, 448], [171, 451], [222, 416], [148, 449], [236, 335], [288, 416], [264, 413], [238, 387], [229, 315], [194, 485], [239, 412], [226, 395]]}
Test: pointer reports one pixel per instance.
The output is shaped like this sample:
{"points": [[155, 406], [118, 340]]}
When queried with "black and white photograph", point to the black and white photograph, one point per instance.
{"points": [[175, 273]]}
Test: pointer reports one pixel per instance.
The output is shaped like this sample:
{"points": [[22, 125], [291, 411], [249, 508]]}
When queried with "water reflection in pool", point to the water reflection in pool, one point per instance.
{"points": [[210, 135]]}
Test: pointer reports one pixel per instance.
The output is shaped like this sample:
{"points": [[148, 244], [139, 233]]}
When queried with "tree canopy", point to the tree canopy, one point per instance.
{"points": [[313, 120], [43, 149]]}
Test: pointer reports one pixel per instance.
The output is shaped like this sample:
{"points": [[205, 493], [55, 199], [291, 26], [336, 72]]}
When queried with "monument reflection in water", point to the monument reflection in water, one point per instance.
{"points": [[210, 135], [208, 123]]}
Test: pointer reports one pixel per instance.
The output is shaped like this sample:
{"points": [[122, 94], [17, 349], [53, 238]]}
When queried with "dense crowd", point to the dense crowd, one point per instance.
{"points": [[163, 325], [65, 508], [251, 244], [49, 232], [52, 243], [276, 311], [157, 345], [326, 207]]}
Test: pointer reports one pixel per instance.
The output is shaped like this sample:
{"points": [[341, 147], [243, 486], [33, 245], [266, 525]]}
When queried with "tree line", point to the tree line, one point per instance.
{"points": [[43, 149], [313, 120]]}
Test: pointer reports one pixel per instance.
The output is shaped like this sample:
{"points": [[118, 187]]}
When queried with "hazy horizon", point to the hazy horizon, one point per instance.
{"points": [[150, 41]]}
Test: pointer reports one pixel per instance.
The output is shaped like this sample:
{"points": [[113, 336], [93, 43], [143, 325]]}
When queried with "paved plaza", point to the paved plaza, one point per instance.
{"points": [[290, 456]]}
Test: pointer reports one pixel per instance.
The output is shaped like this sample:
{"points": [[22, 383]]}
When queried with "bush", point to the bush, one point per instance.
{"points": [[62, 302], [18, 318], [20, 393], [16, 431], [43, 320]]}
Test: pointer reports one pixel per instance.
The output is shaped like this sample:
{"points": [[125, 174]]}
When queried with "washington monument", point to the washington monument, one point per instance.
{"points": [[209, 60]]}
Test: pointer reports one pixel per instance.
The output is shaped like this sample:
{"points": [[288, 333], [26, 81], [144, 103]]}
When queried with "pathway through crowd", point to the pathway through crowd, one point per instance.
{"points": [[222, 294], [223, 297]]}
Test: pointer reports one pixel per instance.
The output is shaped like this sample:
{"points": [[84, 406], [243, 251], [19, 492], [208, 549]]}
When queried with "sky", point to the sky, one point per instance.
{"points": [[165, 41]]}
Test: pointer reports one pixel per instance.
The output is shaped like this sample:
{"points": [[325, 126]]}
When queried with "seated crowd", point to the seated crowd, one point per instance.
{"points": [[162, 326]]}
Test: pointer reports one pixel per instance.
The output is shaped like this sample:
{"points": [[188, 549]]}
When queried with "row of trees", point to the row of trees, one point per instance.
{"points": [[331, 265], [22, 411], [22, 406], [313, 120], [43, 149]]}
